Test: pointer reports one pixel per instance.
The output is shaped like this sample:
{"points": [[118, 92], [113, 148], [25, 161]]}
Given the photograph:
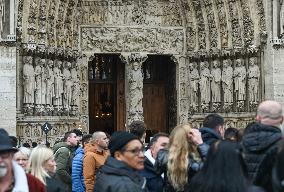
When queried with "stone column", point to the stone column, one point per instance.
{"points": [[134, 85], [276, 17], [182, 89]]}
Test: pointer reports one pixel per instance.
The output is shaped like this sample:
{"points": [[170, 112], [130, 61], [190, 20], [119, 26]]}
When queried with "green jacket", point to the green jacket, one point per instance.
{"points": [[63, 155]]}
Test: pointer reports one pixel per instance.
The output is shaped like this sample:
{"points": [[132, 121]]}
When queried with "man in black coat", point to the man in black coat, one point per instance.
{"points": [[260, 143], [120, 171], [154, 180], [213, 128]]}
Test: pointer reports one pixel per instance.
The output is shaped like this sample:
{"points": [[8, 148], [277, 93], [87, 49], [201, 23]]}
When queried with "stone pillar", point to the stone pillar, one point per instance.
{"points": [[8, 89], [134, 85], [182, 89], [276, 17]]}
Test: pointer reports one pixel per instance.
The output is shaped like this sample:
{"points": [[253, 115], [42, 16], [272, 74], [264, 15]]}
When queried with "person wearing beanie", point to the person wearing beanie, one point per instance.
{"points": [[120, 171]]}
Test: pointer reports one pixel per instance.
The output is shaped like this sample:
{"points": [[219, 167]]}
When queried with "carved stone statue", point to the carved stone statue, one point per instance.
{"points": [[227, 81], [253, 80], [193, 84], [205, 82], [38, 81], [216, 82], [240, 80], [136, 85], [49, 82], [76, 84], [58, 83], [29, 80], [67, 83]]}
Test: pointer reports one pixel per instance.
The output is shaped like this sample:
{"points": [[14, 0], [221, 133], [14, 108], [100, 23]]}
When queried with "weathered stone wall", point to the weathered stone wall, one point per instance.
{"points": [[8, 88]]}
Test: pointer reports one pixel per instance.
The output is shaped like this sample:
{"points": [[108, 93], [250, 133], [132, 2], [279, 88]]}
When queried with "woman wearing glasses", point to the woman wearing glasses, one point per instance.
{"points": [[119, 173]]}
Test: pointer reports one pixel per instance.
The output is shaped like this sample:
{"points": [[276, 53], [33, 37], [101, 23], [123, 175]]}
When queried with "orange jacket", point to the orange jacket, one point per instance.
{"points": [[93, 159]]}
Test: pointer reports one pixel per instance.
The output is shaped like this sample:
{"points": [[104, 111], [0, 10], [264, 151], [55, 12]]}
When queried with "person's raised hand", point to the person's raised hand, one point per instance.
{"points": [[194, 136]]}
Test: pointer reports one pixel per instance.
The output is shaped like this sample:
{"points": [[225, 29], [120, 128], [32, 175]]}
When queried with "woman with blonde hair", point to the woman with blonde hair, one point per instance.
{"points": [[43, 166], [22, 157], [182, 158]]}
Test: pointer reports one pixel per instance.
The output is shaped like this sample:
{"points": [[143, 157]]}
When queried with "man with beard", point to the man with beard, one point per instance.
{"points": [[12, 175]]}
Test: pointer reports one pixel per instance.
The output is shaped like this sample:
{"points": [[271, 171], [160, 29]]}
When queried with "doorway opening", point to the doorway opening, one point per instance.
{"points": [[159, 93], [106, 100]]}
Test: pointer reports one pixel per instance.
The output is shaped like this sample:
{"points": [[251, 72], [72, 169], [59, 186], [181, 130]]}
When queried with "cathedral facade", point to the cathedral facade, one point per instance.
{"points": [[100, 64]]}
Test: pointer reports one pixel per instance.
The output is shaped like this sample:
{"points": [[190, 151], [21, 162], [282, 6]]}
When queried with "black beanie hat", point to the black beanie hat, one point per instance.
{"points": [[119, 139]]}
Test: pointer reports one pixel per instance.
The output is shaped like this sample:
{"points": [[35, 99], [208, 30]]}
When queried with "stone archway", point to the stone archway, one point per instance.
{"points": [[190, 30]]}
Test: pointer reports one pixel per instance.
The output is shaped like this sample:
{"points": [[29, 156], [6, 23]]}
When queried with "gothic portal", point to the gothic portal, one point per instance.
{"points": [[100, 64]]}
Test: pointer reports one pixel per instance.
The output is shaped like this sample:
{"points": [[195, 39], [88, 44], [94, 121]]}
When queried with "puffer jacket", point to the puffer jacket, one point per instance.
{"points": [[117, 176], [63, 155], [93, 160], [193, 167], [258, 141], [77, 171], [209, 136]]}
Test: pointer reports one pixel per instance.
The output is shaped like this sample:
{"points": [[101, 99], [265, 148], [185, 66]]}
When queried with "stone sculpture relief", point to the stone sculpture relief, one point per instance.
{"points": [[216, 83], [29, 84], [51, 87], [225, 88], [49, 82], [150, 13], [205, 77], [227, 84], [193, 80], [131, 39], [253, 82], [240, 80], [134, 76]]}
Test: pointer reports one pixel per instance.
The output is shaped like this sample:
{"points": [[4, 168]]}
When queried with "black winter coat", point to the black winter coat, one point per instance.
{"points": [[117, 176], [154, 180], [53, 184], [260, 142], [209, 136], [193, 167]]}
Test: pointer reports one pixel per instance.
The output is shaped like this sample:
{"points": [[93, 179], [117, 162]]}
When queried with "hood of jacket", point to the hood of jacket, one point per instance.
{"points": [[90, 148], [209, 133], [60, 144], [116, 167], [258, 137]]}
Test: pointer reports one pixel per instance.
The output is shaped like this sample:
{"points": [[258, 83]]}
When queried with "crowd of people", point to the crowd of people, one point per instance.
{"points": [[210, 159]]}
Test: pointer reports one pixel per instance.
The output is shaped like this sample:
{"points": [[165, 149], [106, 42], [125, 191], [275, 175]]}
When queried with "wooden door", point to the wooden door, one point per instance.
{"points": [[106, 94], [154, 107], [159, 78]]}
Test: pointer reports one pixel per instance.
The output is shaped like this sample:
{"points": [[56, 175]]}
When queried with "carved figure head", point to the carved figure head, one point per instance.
{"points": [[216, 63], [239, 62], [252, 61], [192, 65], [50, 63], [27, 60]]}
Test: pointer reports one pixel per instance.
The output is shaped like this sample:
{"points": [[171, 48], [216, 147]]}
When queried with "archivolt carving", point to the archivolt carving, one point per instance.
{"points": [[126, 39]]}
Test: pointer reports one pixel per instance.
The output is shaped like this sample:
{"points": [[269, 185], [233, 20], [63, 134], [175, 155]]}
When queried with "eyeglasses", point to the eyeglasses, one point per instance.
{"points": [[5, 154], [135, 151]]}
